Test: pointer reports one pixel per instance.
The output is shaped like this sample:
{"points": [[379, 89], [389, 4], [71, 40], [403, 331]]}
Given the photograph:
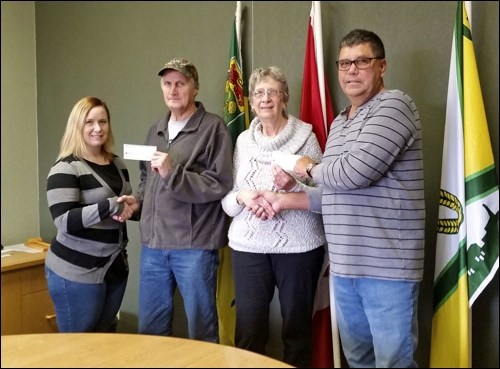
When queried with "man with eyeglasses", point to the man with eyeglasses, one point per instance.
{"points": [[373, 209]]}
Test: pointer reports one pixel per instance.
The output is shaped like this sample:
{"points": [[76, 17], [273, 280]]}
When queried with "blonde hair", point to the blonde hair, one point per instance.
{"points": [[72, 142]]}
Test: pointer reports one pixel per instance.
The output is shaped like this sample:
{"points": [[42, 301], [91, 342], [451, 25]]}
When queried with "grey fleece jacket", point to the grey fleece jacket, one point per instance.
{"points": [[183, 210]]}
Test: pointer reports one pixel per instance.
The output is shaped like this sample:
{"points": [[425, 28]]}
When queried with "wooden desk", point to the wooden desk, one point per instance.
{"points": [[26, 303], [18, 260], [115, 350]]}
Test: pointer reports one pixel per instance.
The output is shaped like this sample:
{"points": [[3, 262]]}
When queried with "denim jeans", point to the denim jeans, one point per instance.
{"points": [[377, 321], [195, 273], [85, 307], [256, 276]]}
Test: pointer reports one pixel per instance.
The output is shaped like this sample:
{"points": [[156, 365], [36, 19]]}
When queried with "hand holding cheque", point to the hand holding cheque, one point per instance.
{"points": [[160, 162]]}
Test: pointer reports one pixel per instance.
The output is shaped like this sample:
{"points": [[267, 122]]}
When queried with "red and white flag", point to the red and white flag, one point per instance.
{"points": [[322, 354], [316, 109], [316, 104]]}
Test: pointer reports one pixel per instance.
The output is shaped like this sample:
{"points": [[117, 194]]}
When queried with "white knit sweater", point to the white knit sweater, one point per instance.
{"points": [[291, 231]]}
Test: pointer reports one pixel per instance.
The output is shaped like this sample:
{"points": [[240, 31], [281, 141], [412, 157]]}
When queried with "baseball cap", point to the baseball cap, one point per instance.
{"points": [[181, 65]]}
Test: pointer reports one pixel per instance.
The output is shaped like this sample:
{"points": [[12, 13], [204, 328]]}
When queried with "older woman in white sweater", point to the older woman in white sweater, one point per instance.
{"points": [[286, 249]]}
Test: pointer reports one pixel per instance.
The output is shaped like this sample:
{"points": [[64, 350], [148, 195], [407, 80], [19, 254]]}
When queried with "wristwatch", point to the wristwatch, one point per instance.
{"points": [[309, 168]]}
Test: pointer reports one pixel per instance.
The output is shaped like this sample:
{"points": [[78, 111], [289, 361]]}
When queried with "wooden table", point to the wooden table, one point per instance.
{"points": [[26, 304], [17, 260], [116, 350]]}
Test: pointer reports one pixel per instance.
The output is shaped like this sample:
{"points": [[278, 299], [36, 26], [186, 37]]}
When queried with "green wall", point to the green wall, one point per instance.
{"points": [[114, 50], [20, 213]]}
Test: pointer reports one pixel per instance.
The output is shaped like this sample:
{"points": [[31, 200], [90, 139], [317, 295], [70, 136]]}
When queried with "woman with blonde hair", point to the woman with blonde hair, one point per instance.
{"points": [[86, 266]]}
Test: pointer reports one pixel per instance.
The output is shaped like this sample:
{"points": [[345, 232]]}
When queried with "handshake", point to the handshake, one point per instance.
{"points": [[130, 205], [266, 204]]}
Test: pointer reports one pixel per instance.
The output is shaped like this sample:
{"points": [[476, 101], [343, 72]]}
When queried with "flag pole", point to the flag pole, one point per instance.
{"points": [[318, 45], [236, 119]]}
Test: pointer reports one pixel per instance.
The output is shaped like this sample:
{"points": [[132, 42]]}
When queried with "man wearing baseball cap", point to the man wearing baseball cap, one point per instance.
{"points": [[182, 222], [184, 66]]}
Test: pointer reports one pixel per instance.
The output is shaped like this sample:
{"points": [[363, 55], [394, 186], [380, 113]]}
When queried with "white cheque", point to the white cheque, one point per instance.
{"points": [[138, 152], [285, 160]]}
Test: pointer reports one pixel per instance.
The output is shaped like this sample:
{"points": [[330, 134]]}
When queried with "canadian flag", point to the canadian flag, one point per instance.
{"points": [[316, 109], [322, 355], [316, 104]]}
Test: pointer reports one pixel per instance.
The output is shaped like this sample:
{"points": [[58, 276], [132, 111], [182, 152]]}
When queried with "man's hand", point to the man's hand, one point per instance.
{"points": [[130, 206], [301, 164], [256, 204], [161, 163]]}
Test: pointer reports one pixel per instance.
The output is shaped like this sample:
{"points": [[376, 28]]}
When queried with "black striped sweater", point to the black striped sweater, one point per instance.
{"points": [[81, 202]]}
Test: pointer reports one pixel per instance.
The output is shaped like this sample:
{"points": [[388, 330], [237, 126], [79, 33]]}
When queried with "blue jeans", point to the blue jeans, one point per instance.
{"points": [[85, 307], [377, 321], [195, 273]]}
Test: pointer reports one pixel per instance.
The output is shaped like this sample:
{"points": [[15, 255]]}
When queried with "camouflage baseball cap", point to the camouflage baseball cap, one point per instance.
{"points": [[182, 65]]}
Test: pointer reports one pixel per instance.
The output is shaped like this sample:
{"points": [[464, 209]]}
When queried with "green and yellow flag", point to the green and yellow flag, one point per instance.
{"points": [[467, 240], [236, 118], [236, 92]]}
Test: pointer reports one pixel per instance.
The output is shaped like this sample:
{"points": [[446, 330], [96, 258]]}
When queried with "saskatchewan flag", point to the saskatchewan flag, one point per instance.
{"points": [[467, 239], [236, 118], [236, 93]]}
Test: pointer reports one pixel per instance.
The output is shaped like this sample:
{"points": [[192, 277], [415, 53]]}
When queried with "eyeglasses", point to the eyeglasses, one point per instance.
{"points": [[361, 63], [259, 94]]}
